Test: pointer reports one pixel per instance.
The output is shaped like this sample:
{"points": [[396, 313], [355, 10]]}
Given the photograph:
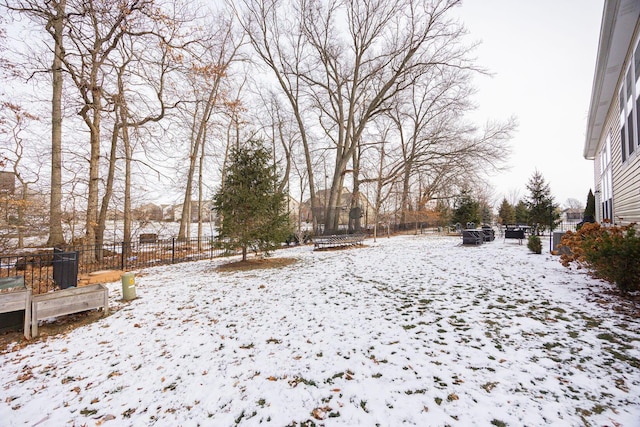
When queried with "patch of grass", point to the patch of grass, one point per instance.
{"points": [[419, 391], [551, 345], [297, 380], [407, 327], [591, 322], [438, 401], [607, 337], [625, 358], [498, 423], [88, 412], [256, 264]]}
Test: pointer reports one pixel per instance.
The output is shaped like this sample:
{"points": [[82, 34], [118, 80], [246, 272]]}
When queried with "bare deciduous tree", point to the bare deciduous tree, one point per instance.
{"points": [[52, 16], [344, 62], [212, 59]]}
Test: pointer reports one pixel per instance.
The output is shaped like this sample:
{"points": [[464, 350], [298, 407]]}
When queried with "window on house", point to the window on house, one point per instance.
{"points": [[606, 189], [630, 132], [623, 138], [636, 62]]}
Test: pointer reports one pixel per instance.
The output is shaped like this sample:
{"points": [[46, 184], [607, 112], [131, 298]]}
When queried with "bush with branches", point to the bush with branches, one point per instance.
{"points": [[534, 244], [611, 253]]}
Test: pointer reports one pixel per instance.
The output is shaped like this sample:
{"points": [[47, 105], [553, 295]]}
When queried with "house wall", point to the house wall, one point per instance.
{"points": [[625, 175]]}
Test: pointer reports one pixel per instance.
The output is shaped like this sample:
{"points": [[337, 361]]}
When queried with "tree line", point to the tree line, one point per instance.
{"points": [[117, 97]]}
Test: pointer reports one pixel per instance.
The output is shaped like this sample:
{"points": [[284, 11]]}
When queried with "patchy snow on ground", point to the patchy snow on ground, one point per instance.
{"points": [[413, 330]]}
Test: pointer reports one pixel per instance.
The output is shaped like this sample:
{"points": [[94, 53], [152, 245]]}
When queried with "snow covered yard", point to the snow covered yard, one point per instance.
{"points": [[410, 330]]}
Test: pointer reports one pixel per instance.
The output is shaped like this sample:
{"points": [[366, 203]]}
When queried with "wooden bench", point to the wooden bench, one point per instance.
{"points": [[68, 301], [17, 297], [338, 240]]}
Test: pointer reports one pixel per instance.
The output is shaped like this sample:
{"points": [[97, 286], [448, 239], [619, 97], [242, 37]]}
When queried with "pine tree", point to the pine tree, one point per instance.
{"points": [[540, 204], [466, 209], [252, 211], [590, 209], [522, 213], [507, 212]]}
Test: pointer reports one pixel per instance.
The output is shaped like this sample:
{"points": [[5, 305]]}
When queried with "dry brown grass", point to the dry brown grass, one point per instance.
{"points": [[256, 264]]}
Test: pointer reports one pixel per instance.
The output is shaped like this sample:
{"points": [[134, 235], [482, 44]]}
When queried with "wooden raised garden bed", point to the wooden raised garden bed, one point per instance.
{"points": [[68, 301], [14, 296]]}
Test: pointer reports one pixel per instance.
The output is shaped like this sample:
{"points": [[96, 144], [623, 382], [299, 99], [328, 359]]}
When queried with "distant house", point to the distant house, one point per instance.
{"points": [[148, 212], [174, 212], [613, 127], [570, 217], [344, 205]]}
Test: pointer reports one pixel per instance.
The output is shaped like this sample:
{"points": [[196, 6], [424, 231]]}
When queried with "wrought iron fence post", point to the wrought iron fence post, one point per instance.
{"points": [[173, 249], [122, 249]]}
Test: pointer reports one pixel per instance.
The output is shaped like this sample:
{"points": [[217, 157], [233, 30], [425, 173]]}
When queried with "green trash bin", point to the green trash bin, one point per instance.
{"points": [[128, 286]]}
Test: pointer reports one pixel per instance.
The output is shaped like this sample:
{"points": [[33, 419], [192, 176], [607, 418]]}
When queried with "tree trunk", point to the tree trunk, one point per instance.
{"points": [[56, 236], [108, 192], [185, 221], [21, 207], [94, 167], [200, 196], [127, 215]]}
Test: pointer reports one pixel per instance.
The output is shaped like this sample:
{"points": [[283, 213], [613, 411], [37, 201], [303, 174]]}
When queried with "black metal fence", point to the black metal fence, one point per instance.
{"points": [[47, 269]]}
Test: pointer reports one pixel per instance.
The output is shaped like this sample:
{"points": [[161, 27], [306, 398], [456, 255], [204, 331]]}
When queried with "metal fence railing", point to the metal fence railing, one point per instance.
{"points": [[41, 269]]}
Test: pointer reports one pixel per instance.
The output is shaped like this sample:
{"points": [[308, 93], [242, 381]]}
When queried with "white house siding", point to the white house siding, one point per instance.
{"points": [[620, 22]]}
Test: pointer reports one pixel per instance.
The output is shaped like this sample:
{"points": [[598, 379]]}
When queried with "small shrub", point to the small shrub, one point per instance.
{"points": [[534, 244], [611, 253]]}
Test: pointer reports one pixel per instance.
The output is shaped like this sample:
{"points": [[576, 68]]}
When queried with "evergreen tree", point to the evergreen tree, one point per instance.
{"points": [[590, 210], [507, 212], [487, 213], [465, 209], [252, 211], [542, 209], [522, 213]]}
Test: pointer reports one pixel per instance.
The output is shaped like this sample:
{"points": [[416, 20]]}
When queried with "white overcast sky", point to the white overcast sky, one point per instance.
{"points": [[542, 55]]}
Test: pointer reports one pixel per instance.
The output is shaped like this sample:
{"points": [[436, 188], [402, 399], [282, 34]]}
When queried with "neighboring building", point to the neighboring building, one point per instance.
{"points": [[148, 212], [174, 212], [322, 196], [613, 128], [571, 217]]}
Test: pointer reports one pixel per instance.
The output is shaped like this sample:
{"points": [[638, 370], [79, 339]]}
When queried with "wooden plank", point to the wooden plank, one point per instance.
{"points": [[68, 301], [13, 301], [16, 301], [27, 315], [55, 308]]}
